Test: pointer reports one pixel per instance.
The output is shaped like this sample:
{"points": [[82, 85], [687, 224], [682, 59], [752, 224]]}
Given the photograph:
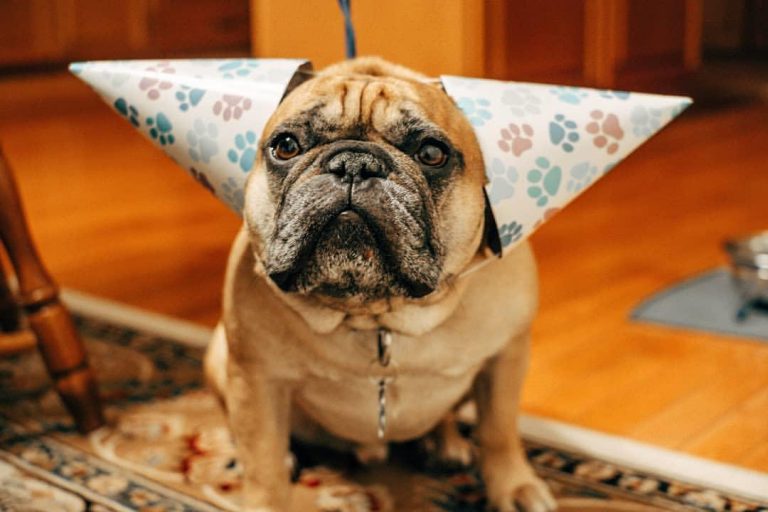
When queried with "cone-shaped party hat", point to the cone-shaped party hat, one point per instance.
{"points": [[542, 144], [206, 114]]}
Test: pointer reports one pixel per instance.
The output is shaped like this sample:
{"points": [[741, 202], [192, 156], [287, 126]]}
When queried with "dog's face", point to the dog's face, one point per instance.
{"points": [[368, 186]]}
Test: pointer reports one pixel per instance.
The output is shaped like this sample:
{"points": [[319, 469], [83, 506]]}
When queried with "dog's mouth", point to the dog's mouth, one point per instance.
{"points": [[370, 240], [350, 216]]}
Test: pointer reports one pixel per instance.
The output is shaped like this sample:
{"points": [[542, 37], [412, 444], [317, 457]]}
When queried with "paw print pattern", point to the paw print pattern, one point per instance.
{"points": [[503, 179], [521, 101], [233, 194], [466, 83], [617, 95], [476, 110], [562, 132], [114, 74], [238, 68], [570, 95], [115, 78], [645, 121], [188, 97], [509, 233], [544, 181], [153, 85], [128, 111], [161, 129], [606, 130], [231, 106], [582, 174], [516, 139], [202, 141], [244, 152], [202, 179]]}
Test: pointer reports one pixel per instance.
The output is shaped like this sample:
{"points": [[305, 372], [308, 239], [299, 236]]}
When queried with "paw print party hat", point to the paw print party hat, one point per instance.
{"points": [[206, 114], [543, 145]]}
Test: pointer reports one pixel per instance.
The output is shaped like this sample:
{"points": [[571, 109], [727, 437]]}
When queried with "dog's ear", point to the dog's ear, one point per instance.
{"points": [[543, 145], [303, 73], [206, 114]]}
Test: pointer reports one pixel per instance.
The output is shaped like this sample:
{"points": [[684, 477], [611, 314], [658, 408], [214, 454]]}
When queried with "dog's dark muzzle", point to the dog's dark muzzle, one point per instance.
{"points": [[357, 190], [354, 163]]}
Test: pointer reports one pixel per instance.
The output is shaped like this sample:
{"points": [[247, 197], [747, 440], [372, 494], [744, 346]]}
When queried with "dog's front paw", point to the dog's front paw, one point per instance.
{"points": [[512, 485]]}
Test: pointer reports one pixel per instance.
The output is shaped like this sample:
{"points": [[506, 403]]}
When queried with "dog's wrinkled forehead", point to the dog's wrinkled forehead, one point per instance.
{"points": [[384, 109]]}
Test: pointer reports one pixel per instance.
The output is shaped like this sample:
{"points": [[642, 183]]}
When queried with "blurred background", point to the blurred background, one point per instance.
{"points": [[618, 43], [114, 217]]}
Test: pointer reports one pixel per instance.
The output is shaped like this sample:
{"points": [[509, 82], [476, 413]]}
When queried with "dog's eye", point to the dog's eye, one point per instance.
{"points": [[431, 154], [285, 147]]}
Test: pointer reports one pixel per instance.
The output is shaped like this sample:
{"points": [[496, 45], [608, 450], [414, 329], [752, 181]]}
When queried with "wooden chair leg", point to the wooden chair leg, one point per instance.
{"points": [[61, 347], [9, 310], [64, 355]]}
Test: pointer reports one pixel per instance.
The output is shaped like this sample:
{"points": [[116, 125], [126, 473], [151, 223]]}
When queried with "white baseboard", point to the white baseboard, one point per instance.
{"points": [[647, 458], [154, 323]]}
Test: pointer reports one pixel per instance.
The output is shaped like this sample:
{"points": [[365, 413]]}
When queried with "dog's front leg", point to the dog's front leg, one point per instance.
{"points": [[259, 416], [509, 479]]}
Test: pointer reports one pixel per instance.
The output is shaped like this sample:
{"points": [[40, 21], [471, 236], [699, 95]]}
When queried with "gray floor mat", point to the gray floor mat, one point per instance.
{"points": [[707, 302]]}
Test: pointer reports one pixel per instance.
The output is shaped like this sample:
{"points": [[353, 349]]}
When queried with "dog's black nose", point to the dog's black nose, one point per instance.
{"points": [[355, 166]]}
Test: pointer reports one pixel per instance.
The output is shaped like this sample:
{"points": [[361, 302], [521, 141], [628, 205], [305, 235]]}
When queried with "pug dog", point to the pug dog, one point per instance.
{"points": [[364, 212]]}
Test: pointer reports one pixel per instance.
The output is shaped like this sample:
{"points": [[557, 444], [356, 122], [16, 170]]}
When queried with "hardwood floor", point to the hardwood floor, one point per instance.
{"points": [[114, 217]]}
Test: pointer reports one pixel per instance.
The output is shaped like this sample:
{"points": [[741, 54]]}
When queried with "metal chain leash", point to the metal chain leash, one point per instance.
{"points": [[383, 360]]}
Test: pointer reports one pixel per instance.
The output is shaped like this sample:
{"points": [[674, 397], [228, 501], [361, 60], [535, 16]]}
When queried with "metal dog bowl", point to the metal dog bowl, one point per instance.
{"points": [[749, 269]]}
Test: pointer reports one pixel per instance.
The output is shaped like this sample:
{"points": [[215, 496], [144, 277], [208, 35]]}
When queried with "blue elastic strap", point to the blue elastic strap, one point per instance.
{"points": [[349, 29]]}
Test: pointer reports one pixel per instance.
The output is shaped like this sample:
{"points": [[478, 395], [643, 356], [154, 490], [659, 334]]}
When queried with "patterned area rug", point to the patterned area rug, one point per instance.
{"points": [[168, 449]]}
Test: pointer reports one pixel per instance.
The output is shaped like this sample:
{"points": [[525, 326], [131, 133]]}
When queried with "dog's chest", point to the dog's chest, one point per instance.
{"points": [[424, 382], [351, 408]]}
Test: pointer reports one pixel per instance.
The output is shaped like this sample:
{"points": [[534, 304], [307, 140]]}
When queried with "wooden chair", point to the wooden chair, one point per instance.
{"points": [[37, 299]]}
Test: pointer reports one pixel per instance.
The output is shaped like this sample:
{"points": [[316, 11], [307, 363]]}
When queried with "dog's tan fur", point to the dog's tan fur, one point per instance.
{"points": [[287, 363]]}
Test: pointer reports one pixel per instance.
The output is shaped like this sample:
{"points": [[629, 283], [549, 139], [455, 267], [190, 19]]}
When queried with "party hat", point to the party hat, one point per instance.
{"points": [[543, 145], [206, 114]]}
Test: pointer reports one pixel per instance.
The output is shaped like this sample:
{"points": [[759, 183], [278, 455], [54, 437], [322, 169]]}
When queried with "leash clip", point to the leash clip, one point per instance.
{"points": [[384, 347]]}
